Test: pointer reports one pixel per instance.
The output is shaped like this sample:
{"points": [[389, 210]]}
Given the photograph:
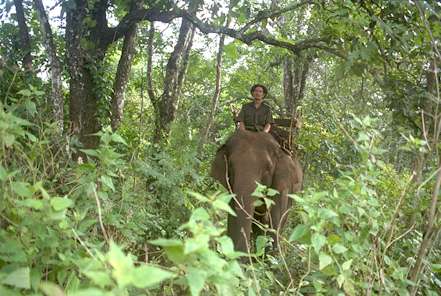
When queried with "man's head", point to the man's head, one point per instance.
{"points": [[258, 91]]}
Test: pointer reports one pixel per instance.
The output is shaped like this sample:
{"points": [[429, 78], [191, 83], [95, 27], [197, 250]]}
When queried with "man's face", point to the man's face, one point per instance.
{"points": [[258, 94]]}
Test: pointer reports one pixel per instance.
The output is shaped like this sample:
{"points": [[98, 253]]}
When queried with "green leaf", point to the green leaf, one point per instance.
{"points": [[44, 193], [22, 189], [88, 292], [340, 280], [25, 92], [436, 268], [31, 203], [118, 139], [99, 278], [258, 192], [272, 192], [106, 180], [318, 241], [196, 243], [173, 248], [61, 203], [90, 152], [147, 276], [221, 205], [196, 280], [9, 292], [268, 202], [3, 173], [327, 213], [163, 242], [261, 242], [122, 265], [19, 278], [199, 214], [227, 247], [51, 289], [324, 260], [298, 232], [339, 249], [30, 106], [199, 196], [31, 137], [347, 265]]}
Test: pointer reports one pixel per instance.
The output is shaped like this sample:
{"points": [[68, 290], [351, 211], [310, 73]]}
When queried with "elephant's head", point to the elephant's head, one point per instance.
{"points": [[247, 158]]}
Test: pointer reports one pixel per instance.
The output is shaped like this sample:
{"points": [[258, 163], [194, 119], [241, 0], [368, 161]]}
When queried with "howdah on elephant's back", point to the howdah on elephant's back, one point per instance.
{"points": [[247, 158]]}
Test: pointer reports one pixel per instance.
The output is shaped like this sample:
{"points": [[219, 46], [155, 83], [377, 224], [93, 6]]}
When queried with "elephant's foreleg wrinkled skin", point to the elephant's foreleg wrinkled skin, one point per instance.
{"points": [[286, 180], [278, 215], [239, 227]]}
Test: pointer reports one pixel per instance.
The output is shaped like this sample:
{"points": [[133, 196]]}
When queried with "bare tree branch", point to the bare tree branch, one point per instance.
{"points": [[263, 15], [156, 14], [248, 38], [152, 14], [150, 89]]}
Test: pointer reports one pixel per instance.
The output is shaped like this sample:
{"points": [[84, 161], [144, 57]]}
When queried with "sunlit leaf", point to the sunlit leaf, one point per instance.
{"points": [[318, 241], [19, 278], [60, 203], [196, 280], [324, 260], [146, 276], [298, 232], [22, 189]]}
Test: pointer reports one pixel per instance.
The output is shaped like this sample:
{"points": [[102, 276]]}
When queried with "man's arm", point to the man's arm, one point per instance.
{"points": [[269, 120], [240, 119], [267, 128]]}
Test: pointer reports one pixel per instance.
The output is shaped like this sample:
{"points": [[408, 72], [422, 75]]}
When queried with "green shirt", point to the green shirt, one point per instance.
{"points": [[255, 119]]}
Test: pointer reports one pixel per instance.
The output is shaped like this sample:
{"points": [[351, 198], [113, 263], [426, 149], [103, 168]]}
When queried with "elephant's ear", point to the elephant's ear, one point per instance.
{"points": [[218, 167]]}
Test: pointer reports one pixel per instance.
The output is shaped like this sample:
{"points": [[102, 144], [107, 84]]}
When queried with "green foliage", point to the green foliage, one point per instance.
{"points": [[348, 231], [116, 220]]}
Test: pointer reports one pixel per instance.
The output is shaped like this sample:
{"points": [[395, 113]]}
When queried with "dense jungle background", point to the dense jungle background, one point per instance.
{"points": [[111, 112]]}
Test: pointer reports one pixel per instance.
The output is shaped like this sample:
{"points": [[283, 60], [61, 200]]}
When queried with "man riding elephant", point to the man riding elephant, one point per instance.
{"points": [[256, 116], [250, 156]]}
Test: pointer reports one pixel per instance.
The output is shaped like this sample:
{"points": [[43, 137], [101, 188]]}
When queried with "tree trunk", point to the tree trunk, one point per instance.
{"points": [[24, 35], [216, 95], [74, 56], [149, 74], [184, 65], [166, 107], [84, 64], [122, 76], [57, 102], [295, 72], [168, 102], [431, 132]]}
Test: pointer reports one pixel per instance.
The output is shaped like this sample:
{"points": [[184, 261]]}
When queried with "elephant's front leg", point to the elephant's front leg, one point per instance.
{"points": [[239, 227], [279, 215]]}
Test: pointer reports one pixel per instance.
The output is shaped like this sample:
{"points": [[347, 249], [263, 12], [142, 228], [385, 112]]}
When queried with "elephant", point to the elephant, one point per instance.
{"points": [[246, 158]]}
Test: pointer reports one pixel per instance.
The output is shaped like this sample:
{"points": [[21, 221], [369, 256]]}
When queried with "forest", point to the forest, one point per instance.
{"points": [[113, 112]]}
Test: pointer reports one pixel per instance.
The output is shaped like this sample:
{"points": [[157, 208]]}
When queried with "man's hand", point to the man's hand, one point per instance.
{"points": [[267, 128], [241, 125]]}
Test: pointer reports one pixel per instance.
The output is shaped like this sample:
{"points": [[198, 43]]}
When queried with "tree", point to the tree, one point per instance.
{"points": [[24, 35], [122, 74], [56, 101]]}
